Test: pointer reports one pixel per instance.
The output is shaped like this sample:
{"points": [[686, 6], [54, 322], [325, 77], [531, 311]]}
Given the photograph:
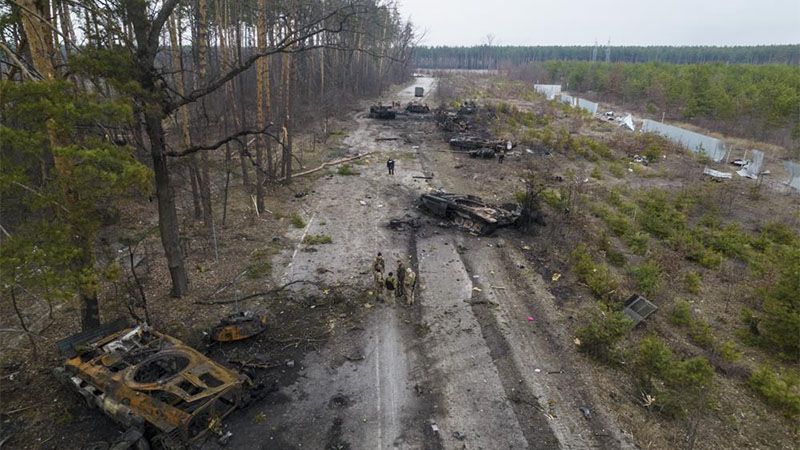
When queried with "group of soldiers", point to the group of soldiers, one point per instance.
{"points": [[402, 287]]}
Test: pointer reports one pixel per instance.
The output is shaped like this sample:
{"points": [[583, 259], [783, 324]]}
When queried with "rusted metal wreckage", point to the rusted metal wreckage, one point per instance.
{"points": [[238, 326], [470, 212], [151, 382], [417, 108]]}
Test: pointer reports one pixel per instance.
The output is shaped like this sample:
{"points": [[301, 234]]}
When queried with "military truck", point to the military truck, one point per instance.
{"points": [[419, 91]]}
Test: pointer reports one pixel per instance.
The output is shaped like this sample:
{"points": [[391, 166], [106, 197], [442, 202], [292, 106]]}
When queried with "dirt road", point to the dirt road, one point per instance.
{"points": [[444, 373]]}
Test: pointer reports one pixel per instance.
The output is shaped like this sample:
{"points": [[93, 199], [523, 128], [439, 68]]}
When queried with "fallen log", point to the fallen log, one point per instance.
{"points": [[328, 164]]}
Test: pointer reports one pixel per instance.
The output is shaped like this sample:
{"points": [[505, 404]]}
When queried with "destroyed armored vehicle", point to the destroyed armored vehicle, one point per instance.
{"points": [[382, 112], [450, 122], [469, 212], [151, 382], [483, 153], [468, 107], [417, 108], [474, 143], [238, 326]]}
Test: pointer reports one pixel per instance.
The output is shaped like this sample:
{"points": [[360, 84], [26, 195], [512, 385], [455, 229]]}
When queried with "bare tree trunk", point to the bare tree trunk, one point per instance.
{"points": [[177, 66], [167, 215], [262, 94], [205, 179], [240, 90]]}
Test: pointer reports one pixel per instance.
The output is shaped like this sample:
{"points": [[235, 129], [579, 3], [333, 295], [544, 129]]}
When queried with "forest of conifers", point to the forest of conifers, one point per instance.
{"points": [[494, 57], [109, 102], [757, 101]]}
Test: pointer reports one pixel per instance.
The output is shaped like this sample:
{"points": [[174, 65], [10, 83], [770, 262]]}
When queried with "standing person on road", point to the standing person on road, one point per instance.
{"points": [[390, 166], [401, 275], [409, 284], [378, 266], [391, 286], [501, 156]]}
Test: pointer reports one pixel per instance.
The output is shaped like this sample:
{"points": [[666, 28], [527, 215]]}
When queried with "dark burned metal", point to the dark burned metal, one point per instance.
{"points": [[469, 212], [468, 142], [483, 153], [382, 112], [417, 108], [238, 326], [451, 122], [151, 382], [468, 107], [405, 223]]}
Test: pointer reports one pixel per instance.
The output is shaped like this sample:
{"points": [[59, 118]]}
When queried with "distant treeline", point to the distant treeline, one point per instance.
{"points": [[761, 102], [494, 57]]}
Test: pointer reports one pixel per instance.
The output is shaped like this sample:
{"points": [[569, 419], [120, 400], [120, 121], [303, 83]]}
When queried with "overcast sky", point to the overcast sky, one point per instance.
{"points": [[625, 22]]}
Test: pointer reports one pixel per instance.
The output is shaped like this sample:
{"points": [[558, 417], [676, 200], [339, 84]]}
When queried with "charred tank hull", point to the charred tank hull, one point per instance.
{"points": [[469, 212]]}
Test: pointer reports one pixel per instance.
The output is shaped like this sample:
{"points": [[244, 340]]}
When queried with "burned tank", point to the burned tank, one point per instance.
{"points": [[469, 212], [417, 108], [483, 153], [151, 382], [238, 326], [467, 142], [382, 112]]}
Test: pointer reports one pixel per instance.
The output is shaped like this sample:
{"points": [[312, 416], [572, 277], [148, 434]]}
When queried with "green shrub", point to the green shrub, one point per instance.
{"points": [[346, 170], [637, 241], [658, 216], [596, 276], [552, 199], [780, 323], [599, 338], [781, 390], [617, 169], [684, 385], [729, 352], [653, 153], [648, 276], [596, 173], [681, 313], [260, 265], [700, 333], [317, 239], [297, 221], [652, 359], [693, 281], [613, 256]]}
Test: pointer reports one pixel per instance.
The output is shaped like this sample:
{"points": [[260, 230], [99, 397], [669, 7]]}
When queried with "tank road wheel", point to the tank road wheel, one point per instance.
{"points": [[478, 228], [458, 220], [468, 224]]}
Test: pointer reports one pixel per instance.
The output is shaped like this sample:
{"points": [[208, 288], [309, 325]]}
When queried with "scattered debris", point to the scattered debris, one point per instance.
{"points": [[627, 122], [530, 318], [139, 377], [556, 276], [469, 142], [382, 112], [417, 108], [717, 175], [483, 153], [392, 138], [637, 308], [586, 412], [458, 435], [469, 212], [407, 222], [639, 159], [238, 326], [434, 427]]}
